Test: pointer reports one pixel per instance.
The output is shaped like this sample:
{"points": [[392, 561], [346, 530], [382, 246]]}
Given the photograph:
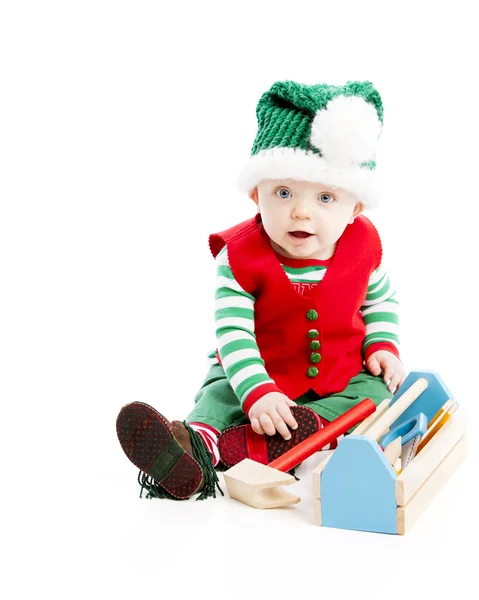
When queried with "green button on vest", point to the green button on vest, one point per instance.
{"points": [[312, 315], [314, 345], [312, 372], [315, 357], [312, 333]]}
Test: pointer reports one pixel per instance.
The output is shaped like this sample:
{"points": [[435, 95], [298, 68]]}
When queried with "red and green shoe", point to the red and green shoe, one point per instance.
{"points": [[173, 461], [240, 441]]}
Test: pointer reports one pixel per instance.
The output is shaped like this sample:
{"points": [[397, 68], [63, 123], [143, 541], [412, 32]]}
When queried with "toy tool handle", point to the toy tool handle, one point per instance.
{"points": [[396, 410], [321, 438]]}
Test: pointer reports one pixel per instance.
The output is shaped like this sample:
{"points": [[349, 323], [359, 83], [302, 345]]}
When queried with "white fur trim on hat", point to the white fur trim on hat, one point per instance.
{"points": [[292, 163], [346, 131]]}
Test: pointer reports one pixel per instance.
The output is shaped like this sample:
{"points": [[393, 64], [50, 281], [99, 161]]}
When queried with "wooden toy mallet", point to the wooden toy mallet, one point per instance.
{"points": [[258, 485]]}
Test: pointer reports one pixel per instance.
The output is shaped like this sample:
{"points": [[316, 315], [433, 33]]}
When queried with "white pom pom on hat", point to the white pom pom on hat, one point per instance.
{"points": [[346, 131]]}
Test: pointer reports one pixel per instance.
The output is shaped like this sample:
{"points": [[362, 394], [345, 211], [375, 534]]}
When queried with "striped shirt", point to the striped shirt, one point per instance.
{"points": [[234, 320]]}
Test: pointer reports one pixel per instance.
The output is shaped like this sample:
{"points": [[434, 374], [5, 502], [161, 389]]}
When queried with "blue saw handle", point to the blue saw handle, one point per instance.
{"points": [[417, 425]]}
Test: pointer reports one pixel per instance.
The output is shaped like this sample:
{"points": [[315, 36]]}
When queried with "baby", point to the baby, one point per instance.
{"points": [[306, 318]]}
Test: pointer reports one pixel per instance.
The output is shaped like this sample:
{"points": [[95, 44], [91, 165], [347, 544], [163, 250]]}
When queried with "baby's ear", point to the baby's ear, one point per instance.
{"points": [[253, 194], [358, 209]]}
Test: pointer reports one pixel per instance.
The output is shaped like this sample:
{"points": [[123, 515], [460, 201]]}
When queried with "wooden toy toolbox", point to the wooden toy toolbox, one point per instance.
{"points": [[357, 488]]}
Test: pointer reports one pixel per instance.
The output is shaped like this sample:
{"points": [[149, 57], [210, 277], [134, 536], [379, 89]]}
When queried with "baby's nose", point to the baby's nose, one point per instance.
{"points": [[301, 210]]}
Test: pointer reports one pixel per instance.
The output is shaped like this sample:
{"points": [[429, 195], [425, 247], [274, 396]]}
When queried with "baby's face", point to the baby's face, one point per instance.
{"points": [[305, 219]]}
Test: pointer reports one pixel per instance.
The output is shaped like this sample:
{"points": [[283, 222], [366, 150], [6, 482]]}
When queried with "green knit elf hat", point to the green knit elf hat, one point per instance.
{"points": [[320, 133]]}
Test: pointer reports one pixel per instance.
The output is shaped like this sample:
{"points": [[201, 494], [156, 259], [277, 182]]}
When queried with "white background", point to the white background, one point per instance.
{"points": [[123, 128]]}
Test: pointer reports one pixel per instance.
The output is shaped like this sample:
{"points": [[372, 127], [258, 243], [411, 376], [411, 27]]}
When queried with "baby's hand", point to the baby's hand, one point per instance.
{"points": [[391, 367], [271, 414]]}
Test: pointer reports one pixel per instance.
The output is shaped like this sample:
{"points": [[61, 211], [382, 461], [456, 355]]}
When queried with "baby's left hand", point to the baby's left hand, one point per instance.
{"points": [[391, 367]]}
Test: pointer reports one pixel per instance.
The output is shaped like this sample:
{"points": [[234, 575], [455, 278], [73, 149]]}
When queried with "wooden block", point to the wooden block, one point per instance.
{"points": [[393, 450], [317, 473], [258, 485], [407, 515], [317, 512], [424, 464], [366, 424]]}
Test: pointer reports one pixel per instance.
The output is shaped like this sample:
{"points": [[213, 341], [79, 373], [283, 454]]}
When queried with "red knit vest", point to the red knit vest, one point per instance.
{"points": [[287, 323]]}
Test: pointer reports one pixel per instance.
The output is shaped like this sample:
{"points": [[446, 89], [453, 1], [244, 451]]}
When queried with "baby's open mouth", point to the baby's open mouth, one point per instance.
{"points": [[300, 234]]}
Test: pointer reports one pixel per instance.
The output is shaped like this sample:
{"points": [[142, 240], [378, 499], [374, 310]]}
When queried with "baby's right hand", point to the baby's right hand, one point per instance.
{"points": [[271, 414]]}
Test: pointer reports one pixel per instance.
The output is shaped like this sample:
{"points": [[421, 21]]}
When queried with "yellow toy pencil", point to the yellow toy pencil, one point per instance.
{"points": [[436, 425], [444, 408]]}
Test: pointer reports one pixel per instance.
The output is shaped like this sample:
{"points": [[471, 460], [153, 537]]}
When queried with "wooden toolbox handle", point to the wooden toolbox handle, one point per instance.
{"points": [[396, 410]]}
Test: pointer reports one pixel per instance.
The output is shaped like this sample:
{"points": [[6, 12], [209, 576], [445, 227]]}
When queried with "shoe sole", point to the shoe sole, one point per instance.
{"points": [[147, 440], [240, 442]]}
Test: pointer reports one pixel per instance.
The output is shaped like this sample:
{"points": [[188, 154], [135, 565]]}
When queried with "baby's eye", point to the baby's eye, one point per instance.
{"points": [[326, 198], [283, 193]]}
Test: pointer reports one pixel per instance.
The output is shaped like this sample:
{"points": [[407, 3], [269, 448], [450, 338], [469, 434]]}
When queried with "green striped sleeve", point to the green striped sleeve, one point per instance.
{"points": [[234, 324], [380, 311]]}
